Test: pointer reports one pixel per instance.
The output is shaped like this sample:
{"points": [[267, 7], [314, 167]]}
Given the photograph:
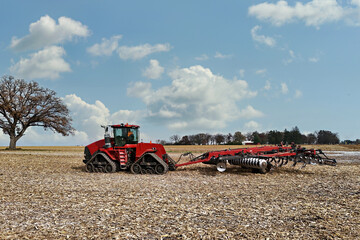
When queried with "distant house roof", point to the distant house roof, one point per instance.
{"points": [[247, 142]]}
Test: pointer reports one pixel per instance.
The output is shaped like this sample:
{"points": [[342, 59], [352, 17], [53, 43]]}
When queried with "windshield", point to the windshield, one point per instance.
{"points": [[125, 136]]}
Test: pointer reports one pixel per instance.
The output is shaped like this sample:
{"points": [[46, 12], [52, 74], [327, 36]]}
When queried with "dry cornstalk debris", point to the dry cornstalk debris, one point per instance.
{"points": [[48, 195]]}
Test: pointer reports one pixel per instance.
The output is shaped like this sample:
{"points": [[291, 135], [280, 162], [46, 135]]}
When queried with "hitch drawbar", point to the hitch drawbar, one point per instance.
{"points": [[262, 158]]}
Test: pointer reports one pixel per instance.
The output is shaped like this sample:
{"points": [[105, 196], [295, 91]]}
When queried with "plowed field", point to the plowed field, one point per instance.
{"points": [[45, 193]]}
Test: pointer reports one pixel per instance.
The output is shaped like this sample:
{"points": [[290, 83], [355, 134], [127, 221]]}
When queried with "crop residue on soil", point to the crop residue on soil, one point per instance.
{"points": [[51, 196]]}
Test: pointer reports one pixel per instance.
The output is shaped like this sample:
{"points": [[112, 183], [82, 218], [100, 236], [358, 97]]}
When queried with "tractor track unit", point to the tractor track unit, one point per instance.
{"points": [[123, 151]]}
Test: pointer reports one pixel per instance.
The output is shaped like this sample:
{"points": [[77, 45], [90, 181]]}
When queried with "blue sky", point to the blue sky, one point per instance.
{"points": [[184, 67]]}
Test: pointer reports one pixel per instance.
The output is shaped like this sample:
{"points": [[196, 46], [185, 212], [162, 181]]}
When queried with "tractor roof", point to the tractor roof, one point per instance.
{"points": [[124, 125]]}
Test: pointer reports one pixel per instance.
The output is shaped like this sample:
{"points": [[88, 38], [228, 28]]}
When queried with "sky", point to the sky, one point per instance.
{"points": [[185, 67]]}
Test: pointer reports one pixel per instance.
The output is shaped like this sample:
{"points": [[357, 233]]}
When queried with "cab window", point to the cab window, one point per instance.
{"points": [[124, 136]]}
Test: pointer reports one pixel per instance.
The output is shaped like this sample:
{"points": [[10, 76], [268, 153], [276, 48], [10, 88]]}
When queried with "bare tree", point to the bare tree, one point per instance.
{"points": [[24, 105], [208, 138], [229, 138], [219, 138], [212, 140], [185, 140], [311, 138], [175, 139], [202, 138], [327, 137], [238, 137]]}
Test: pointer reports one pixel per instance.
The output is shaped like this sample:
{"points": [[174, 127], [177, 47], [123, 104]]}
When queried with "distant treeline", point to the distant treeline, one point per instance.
{"points": [[270, 137]]}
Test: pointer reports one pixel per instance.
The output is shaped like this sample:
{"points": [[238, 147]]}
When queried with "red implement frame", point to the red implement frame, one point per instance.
{"points": [[272, 154]]}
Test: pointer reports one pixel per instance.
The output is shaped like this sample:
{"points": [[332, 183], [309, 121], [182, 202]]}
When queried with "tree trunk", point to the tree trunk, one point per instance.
{"points": [[13, 141]]}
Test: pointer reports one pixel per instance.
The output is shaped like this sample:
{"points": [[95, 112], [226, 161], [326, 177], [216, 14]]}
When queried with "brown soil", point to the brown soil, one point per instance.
{"points": [[50, 196]]}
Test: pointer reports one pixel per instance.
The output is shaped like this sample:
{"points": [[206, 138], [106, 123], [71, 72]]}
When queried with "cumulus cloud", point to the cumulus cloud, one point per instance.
{"points": [[154, 70], [88, 117], [267, 85], [284, 88], [222, 56], [356, 2], [127, 116], [252, 126], [106, 47], [196, 99], [313, 13], [140, 90], [250, 112], [35, 136], [261, 71], [291, 57], [298, 94], [242, 73], [141, 51], [4, 139], [203, 57], [354, 14], [46, 32], [314, 59], [269, 41], [46, 63]]}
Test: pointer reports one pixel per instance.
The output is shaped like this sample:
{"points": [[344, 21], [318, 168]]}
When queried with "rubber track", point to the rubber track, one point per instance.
{"points": [[159, 160], [106, 159]]}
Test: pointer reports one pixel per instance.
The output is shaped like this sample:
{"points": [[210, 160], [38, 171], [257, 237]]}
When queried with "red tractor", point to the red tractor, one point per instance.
{"points": [[123, 151]]}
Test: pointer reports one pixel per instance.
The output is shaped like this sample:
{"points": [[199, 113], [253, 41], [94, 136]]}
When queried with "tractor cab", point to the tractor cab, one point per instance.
{"points": [[125, 134]]}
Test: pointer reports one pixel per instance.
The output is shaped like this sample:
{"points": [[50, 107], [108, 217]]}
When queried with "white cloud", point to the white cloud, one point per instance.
{"points": [[250, 112], [46, 63], [4, 139], [284, 88], [356, 2], [313, 13], [291, 57], [291, 53], [154, 70], [141, 51], [140, 90], [269, 41], [106, 47], [203, 57], [126, 116], [267, 85], [46, 32], [222, 56], [298, 94], [261, 71], [35, 136], [88, 118], [197, 99], [252, 126], [314, 59], [242, 73]]}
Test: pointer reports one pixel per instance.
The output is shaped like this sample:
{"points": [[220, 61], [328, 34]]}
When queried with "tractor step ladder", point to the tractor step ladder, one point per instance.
{"points": [[122, 158]]}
